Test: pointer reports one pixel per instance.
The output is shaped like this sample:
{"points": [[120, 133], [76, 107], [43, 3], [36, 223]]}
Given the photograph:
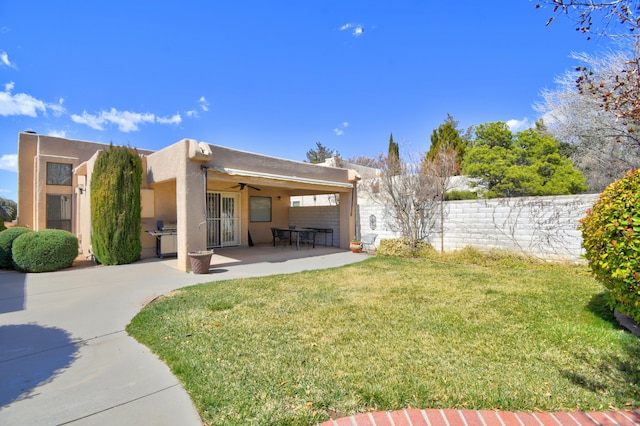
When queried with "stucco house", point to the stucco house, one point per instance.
{"points": [[205, 195]]}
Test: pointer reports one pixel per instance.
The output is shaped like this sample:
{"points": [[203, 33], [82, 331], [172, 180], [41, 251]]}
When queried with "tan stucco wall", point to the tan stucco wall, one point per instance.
{"points": [[34, 151]]}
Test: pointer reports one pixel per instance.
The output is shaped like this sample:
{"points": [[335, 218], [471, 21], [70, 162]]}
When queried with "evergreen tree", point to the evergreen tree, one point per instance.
{"points": [[393, 157], [394, 148], [527, 163], [115, 206], [446, 136], [320, 154]]}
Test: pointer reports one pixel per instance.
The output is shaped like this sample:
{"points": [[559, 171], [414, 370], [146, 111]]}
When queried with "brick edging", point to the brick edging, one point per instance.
{"points": [[452, 417]]}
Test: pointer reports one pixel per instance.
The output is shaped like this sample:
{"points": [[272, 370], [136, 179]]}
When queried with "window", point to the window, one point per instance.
{"points": [[59, 212], [260, 209], [59, 174]]}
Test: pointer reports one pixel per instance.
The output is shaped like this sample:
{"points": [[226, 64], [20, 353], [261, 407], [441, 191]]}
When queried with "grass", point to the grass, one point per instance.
{"points": [[388, 334]]}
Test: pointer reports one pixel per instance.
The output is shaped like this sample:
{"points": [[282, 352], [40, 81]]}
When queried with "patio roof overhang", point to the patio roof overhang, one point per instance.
{"points": [[293, 183]]}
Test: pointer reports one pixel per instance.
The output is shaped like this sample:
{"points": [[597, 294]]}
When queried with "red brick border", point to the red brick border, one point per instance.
{"points": [[450, 417]]}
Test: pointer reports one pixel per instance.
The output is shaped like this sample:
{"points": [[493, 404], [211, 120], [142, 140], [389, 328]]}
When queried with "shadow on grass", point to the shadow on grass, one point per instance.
{"points": [[617, 373], [30, 356], [598, 305]]}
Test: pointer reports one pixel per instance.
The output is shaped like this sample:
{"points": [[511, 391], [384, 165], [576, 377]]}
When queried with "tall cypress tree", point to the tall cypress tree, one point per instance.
{"points": [[394, 149], [116, 207], [393, 157]]}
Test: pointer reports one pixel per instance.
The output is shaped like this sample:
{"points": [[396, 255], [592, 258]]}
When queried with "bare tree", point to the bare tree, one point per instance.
{"points": [[440, 169], [618, 92], [604, 146], [409, 195], [613, 17]]}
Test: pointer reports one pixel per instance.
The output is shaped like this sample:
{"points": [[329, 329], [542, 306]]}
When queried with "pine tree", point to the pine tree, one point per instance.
{"points": [[447, 136]]}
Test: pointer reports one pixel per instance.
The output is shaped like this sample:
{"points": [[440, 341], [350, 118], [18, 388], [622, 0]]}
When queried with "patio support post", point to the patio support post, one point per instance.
{"points": [[348, 205], [190, 214]]}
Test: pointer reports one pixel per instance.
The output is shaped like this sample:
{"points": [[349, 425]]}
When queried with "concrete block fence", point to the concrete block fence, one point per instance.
{"points": [[317, 216], [544, 227]]}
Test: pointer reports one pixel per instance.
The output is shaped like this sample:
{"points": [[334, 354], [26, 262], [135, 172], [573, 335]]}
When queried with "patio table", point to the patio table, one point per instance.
{"points": [[297, 233]]}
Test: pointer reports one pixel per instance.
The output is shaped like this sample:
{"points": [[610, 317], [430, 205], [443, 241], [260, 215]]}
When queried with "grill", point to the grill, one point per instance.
{"points": [[166, 240]]}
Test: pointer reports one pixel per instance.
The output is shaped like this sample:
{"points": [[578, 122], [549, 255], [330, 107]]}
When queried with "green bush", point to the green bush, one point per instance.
{"points": [[401, 247], [460, 195], [44, 251], [2, 227], [611, 239], [7, 238]]}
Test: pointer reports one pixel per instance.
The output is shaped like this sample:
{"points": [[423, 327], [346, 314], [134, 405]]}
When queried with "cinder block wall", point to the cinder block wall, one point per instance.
{"points": [[545, 227], [317, 217]]}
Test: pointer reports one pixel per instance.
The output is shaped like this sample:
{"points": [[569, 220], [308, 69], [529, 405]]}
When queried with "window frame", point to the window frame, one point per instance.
{"points": [[53, 175]]}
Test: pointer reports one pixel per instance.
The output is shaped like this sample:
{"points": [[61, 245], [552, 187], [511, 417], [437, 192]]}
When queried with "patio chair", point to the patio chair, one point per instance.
{"points": [[282, 236], [308, 237], [368, 240]]}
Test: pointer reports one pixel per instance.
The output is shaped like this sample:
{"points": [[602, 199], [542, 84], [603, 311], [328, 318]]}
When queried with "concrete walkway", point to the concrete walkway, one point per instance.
{"points": [[65, 357]]}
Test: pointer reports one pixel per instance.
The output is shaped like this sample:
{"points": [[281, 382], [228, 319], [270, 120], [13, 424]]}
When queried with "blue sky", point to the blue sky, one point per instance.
{"points": [[272, 77]]}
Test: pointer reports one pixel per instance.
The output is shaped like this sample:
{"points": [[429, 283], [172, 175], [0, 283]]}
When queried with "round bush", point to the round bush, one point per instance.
{"points": [[44, 251], [611, 239], [6, 242]]}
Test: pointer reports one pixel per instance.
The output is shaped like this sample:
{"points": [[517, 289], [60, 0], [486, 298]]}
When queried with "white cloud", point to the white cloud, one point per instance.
{"points": [[20, 103], [356, 29], [4, 60], [93, 121], [175, 119], [126, 121], [519, 125], [192, 113], [24, 104], [58, 133], [338, 130], [204, 105], [9, 162]]}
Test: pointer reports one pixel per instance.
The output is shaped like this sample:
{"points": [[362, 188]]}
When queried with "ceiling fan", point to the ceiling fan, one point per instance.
{"points": [[242, 185]]}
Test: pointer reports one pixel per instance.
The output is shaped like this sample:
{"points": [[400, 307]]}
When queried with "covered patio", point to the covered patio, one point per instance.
{"points": [[216, 197]]}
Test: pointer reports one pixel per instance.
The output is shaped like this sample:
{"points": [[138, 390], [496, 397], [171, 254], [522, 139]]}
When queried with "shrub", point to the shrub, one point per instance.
{"points": [[7, 238], [44, 251], [611, 239], [402, 247], [460, 195], [115, 206], [471, 255], [2, 227]]}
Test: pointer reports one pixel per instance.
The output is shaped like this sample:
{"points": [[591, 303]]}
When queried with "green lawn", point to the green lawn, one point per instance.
{"points": [[387, 334]]}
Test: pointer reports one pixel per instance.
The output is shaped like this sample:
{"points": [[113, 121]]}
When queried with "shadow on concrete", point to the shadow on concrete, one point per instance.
{"points": [[12, 291], [30, 356]]}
